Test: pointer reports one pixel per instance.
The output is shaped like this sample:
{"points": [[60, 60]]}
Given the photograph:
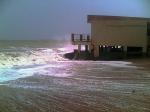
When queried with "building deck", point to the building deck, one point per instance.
{"points": [[80, 39]]}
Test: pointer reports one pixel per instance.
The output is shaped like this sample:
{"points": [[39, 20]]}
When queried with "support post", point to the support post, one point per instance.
{"points": [[96, 51], [79, 48], [72, 36], [90, 48], [125, 51], [86, 48], [81, 37], [88, 38], [144, 49]]}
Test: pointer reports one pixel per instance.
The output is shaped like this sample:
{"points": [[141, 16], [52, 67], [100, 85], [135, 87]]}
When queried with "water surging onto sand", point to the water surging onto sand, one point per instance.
{"points": [[17, 62], [22, 62], [42, 80]]}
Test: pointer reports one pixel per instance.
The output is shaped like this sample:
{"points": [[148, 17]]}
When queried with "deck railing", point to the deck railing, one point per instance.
{"points": [[80, 38]]}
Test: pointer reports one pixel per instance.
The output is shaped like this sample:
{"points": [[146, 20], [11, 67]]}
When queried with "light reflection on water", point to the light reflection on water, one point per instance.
{"points": [[73, 86]]}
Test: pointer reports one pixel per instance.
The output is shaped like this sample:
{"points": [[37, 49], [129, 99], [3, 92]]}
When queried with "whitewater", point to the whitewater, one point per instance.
{"points": [[23, 62], [43, 80]]}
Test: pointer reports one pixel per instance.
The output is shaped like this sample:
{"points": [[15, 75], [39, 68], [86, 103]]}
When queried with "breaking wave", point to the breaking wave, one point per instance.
{"points": [[22, 62]]}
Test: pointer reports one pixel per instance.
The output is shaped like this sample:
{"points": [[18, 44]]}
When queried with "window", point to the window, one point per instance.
{"points": [[148, 29]]}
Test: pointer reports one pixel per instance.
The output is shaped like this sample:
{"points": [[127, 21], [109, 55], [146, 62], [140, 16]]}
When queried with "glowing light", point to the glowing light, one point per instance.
{"points": [[119, 47]]}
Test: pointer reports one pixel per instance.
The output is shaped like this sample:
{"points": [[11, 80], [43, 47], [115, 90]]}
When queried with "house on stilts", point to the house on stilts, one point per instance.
{"points": [[114, 35]]}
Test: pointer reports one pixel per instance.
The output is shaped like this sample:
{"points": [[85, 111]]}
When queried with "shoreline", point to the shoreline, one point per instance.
{"points": [[141, 61]]}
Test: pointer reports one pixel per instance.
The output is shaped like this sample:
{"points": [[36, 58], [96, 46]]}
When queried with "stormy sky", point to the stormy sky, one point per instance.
{"points": [[46, 19]]}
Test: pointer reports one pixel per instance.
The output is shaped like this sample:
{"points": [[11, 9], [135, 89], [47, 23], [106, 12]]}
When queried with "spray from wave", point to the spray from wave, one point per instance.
{"points": [[22, 62], [16, 62]]}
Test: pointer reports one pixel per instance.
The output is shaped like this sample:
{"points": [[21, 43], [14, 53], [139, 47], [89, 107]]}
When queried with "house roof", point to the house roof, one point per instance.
{"points": [[107, 17]]}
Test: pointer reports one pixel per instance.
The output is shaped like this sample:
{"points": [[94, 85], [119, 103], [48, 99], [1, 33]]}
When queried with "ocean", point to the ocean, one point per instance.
{"points": [[36, 77]]}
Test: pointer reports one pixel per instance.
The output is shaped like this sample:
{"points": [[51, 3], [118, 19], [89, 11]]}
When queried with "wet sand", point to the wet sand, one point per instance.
{"points": [[93, 86], [143, 62]]}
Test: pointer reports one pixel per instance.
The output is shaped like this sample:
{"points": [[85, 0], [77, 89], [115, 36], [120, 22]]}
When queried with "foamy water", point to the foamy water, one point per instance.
{"points": [[18, 63], [23, 62], [42, 80]]}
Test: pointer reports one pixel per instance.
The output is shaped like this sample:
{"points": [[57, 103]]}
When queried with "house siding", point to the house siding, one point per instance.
{"points": [[119, 32]]}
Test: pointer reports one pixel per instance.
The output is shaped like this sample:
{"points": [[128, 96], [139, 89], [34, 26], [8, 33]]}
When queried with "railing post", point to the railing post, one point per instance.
{"points": [[72, 37], [80, 37], [88, 38]]}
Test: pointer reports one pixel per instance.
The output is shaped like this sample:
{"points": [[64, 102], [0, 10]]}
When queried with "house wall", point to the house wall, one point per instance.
{"points": [[119, 32]]}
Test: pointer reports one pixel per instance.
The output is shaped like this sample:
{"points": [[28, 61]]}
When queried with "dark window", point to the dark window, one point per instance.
{"points": [[134, 49], [148, 29]]}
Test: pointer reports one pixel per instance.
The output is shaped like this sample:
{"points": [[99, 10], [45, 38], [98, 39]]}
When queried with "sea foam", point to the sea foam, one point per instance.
{"points": [[23, 62]]}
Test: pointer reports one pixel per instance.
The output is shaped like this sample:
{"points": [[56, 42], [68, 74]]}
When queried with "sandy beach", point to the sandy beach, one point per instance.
{"points": [[141, 62]]}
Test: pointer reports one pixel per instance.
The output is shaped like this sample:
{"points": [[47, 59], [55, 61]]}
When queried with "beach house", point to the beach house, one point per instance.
{"points": [[114, 34]]}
